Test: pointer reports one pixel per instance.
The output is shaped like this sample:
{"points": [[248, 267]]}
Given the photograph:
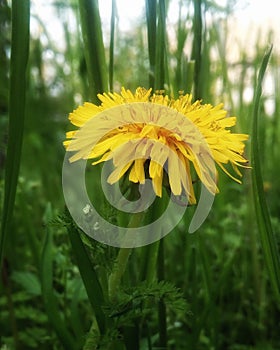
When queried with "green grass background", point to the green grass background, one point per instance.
{"points": [[227, 272]]}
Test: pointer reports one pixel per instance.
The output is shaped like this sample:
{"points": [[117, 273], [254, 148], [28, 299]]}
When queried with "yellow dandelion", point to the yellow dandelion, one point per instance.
{"points": [[154, 136]]}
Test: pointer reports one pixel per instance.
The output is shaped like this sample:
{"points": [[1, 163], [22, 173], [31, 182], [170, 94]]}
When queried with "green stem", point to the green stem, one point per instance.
{"points": [[121, 261], [118, 271]]}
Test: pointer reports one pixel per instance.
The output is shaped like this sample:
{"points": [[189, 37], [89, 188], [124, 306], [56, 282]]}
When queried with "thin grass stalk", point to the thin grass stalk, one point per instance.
{"points": [[181, 37], [151, 18], [221, 45], [254, 263], [160, 65], [269, 244], [94, 48], [188, 75], [241, 87], [196, 50], [184, 73], [17, 95], [112, 44]]}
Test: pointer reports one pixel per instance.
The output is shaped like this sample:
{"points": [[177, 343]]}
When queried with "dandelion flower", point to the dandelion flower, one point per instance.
{"points": [[153, 136]]}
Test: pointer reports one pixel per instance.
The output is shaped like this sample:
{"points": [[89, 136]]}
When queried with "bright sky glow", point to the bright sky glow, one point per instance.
{"points": [[249, 25], [248, 15], [248, 11], [250, 20]]}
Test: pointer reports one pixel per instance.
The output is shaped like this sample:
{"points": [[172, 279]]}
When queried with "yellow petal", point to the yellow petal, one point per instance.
{"points": [[173, 173], [137, 173], [83, 113], [157, 184], [118, 173]]}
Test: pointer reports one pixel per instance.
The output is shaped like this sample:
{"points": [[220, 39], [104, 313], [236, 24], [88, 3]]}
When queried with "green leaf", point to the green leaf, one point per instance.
{"points": [[269, 245], [17, 94], [89, 276]]}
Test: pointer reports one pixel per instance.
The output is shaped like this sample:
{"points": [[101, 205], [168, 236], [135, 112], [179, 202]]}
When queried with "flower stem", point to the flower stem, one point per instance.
{"points": [[118, 271], [122, 259]]}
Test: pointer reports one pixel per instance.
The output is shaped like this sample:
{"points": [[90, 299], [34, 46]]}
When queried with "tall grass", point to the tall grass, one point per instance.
{"points": [[269, 243], [93, 47]]}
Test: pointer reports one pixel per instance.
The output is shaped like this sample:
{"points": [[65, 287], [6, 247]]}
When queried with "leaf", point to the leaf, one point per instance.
{"points": [[89, 276], [268, 241], [17, 94]]}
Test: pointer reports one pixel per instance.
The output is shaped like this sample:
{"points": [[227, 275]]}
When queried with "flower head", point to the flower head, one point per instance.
{"points": [[153, 135]]}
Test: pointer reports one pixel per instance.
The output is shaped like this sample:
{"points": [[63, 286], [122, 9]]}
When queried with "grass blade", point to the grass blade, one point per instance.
{"points": [[89, 276], [156, 29], [160, 67], [268, 241], [197, 44], [94, 47], [151, 18], [112, 43], [17, 94]]}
